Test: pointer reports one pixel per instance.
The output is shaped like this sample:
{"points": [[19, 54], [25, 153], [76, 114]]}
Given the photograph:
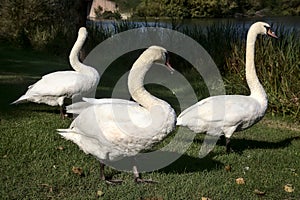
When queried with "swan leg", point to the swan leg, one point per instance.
{"points": [[62, 114], [108, 181], [138, 179], [102, 177], [228, 146]]}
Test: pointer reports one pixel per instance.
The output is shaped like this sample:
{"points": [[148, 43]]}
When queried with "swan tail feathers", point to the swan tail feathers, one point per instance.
{"points": [[68, 134], [71, 135], [95, 101], [63, 131], [22, 99]]}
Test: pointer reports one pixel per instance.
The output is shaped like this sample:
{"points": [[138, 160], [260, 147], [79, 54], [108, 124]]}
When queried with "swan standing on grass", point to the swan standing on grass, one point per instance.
{"points": [[112, 129], [226, 114], [53, 88]]}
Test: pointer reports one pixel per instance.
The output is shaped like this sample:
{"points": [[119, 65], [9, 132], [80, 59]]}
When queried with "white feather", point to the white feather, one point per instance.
{"points": [[229, 113], [53, 88]]}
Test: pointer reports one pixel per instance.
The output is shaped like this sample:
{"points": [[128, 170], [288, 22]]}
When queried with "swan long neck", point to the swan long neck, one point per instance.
{"points": [[73, 57], [136, 84], [256, 89]]}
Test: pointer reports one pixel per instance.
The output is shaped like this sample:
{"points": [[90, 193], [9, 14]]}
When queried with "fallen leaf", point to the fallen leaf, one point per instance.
{"points": [[100, 193], [289, 188], [240, 181], [60, 148], [77, 170], [48, 186], [205, 198], [294, 171], [258, 192], [228, 168]]}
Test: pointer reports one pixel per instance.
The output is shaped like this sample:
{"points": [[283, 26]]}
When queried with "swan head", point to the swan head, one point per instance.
{"points": [[159, 55], [263, 29], [82, 32]]}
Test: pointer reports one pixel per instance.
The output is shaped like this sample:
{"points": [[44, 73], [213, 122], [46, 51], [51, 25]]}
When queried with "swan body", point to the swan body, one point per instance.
{"points": [[226, 114], [53, 88], [111, 129]]}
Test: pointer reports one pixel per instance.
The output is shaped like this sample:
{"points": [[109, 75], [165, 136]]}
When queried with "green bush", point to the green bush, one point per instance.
{"points": [[39, 23], [215, 8]]}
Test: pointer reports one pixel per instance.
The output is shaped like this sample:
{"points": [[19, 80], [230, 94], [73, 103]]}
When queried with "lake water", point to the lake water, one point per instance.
{"points": [[287, 22]]}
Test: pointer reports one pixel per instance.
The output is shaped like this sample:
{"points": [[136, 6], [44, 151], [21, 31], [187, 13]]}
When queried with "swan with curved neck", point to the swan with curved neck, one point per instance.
{"points": [[111, 129], [53, 88], [226, 114]]}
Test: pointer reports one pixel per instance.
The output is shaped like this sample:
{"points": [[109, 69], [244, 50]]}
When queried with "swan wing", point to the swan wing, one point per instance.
{"points": [[78, 107], [59, 84], [54, 87], [115, 127], [108, 100], [228, 110]]}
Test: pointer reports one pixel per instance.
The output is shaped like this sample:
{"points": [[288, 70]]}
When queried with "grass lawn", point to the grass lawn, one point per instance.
{"points": [[36, 163]]}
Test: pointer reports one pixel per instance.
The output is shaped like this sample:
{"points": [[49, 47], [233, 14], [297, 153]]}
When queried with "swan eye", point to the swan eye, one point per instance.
{"points": [[267, 27]]}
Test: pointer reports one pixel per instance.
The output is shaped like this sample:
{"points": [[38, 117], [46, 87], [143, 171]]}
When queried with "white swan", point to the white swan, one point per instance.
{"points": [[225, 114], [53, 88], [112, 129]]}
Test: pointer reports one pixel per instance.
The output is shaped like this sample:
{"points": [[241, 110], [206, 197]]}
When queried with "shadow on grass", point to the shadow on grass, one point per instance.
{"points": [[26, 110], [184, 163], [239, 145], [189, 164]]}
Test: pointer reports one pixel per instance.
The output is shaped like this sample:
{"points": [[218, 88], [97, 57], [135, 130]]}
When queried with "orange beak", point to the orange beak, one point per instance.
{"points": [[272, 34], [169, 67]]}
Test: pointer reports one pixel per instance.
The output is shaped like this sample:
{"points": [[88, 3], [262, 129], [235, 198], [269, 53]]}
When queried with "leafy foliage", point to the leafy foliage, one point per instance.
{"points": [[100, 14], [39, 23], [127, 5], [216, 8], [98, 11]]}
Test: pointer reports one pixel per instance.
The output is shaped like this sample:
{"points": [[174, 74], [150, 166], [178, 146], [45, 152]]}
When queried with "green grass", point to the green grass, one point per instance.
{"points": [[36, 163]]}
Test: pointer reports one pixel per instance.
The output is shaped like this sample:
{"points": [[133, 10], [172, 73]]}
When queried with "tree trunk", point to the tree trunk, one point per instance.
{"points": [[83, 9]]}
